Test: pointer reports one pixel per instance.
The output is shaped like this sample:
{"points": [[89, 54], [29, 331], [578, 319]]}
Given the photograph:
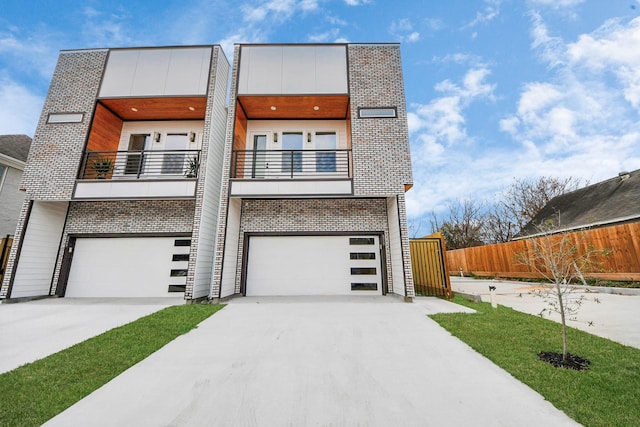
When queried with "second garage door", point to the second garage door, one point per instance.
{"points": [[128, 267], [313, 265]]}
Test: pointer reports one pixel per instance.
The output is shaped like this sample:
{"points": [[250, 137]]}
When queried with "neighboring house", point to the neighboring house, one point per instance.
{"points": [[143, 182], [13, 157], [611, 202]]}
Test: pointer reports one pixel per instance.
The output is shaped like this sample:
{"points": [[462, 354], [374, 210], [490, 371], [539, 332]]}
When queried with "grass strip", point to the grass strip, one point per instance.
{"points": [[36, 392], [608, 394]]}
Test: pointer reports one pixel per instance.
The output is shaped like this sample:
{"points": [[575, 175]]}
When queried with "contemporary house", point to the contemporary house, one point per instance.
{"points": [[146, 180], [13, 157]]}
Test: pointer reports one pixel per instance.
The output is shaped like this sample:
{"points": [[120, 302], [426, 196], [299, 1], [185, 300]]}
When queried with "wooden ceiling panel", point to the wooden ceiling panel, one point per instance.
{"points": [[295, 107], [166, 108]]}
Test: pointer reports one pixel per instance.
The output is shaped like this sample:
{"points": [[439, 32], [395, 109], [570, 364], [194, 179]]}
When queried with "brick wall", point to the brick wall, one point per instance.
{"points": [[314, 215], [126, 217], [381, 158], [56, 150]]}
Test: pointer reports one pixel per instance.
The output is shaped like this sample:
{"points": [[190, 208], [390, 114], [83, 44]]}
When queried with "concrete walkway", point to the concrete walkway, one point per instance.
{"points": [[616, 317], [32, 330], [370, 361]]}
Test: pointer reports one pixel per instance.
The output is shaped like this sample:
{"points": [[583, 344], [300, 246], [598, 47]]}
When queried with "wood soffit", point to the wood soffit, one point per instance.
{"points": [[295, 107], [166, 108]]}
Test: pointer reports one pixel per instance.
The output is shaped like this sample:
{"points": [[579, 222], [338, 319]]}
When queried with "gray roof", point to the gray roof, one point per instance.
{"points": [[615, 200], [15, 146]]}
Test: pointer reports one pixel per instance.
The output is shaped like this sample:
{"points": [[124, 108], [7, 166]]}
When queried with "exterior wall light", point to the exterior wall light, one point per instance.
{"points": [[275, 137], [156, 136], [308, 136], [192, 136]]}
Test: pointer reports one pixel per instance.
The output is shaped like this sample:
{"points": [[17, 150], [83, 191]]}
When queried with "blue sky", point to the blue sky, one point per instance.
{"points": [[496, 89]]}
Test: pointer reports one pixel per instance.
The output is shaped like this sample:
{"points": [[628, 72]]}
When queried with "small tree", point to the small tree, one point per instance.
{"points": [[562, 259]]}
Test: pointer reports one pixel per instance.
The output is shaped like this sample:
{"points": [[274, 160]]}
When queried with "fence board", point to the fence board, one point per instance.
{"points": [[623, 263]]}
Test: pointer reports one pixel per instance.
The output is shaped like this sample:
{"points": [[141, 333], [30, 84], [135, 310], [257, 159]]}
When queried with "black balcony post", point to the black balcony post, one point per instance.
{"points": [[140, 164]]}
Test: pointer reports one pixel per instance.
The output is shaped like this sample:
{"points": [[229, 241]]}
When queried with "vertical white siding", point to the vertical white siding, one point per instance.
{"points": [[39, 249], [293, 70], [152, 72], [230, 262], [212, 183], [397, 267]]}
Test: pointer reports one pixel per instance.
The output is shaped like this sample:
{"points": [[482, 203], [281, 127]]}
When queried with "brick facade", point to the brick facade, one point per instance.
{"points": [[381, 158], [56, 150], [314, 216], [126, 217]]}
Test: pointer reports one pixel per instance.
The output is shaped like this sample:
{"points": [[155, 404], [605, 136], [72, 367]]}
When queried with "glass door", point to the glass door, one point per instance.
{"points": [[259, 163], [292, 152], [173, 162], [134, 164]]}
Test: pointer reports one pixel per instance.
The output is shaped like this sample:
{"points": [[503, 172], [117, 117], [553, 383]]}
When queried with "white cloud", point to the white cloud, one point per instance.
{"points": [[442, 119], [614, 48], [276, 10], [110, 28], [356, 2], [556, 4], [331, 34], [19, 108], [486, 15], [403, 31]]}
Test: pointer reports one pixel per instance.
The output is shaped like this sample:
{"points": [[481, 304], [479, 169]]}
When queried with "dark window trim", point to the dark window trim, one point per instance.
{"points": [[362, 255], [368, 271], [359, 286]]}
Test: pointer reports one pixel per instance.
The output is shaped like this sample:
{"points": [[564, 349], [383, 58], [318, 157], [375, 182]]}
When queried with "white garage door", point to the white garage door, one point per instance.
{"points": [[313, 265], [128, 267]]}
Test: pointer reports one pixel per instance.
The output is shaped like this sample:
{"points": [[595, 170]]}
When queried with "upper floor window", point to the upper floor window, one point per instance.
{"points": [[377, 113]]}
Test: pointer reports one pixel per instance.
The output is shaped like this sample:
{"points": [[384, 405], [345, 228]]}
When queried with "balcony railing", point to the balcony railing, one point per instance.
{"points": [[291, 164], [151, 164]]}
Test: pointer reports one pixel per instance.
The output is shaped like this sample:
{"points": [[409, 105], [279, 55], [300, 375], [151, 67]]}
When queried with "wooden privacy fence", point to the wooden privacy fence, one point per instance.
{"points": [[5, 248], [622, 263], [428, 265]]}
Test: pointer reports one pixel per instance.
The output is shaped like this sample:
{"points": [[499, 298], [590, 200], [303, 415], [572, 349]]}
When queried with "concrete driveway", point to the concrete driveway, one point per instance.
{"points": [[370, 361], [32, 330], [615, 316]]}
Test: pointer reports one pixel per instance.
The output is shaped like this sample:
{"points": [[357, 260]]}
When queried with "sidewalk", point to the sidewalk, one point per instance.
{"points": [[616, 317]]}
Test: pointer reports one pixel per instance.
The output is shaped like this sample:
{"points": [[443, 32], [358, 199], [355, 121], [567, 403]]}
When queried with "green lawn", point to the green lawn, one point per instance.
{"points": [[608, 394], [36, 392]]}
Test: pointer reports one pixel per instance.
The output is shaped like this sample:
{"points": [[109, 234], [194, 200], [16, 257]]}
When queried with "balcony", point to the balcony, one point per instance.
{"points": [[138, 174], [260, 173]]}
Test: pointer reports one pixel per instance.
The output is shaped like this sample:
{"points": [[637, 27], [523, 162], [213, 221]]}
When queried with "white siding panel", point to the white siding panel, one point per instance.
{"points": [[151, 72], [265, 72], [39, 249], [188, 71], [156, 72], [231, 248], [293, 70], [298, 76], [206, 233], [331, 69], [119, 73], [397, 265]]}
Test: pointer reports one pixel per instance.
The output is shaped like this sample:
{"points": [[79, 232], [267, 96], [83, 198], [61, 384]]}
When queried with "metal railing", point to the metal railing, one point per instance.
{"points": [[291, 164], [156, 164]]}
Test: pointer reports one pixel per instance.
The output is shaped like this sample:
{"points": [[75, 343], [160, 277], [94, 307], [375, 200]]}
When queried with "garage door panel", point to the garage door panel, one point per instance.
{"points": [[309, 265], [124, 267]]}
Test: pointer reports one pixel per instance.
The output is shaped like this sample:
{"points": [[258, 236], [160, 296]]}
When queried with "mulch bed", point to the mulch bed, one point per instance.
{"points": [[572, 362]]}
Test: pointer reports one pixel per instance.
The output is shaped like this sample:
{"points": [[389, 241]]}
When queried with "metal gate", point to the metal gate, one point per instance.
{"points": [[430, 276]]}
